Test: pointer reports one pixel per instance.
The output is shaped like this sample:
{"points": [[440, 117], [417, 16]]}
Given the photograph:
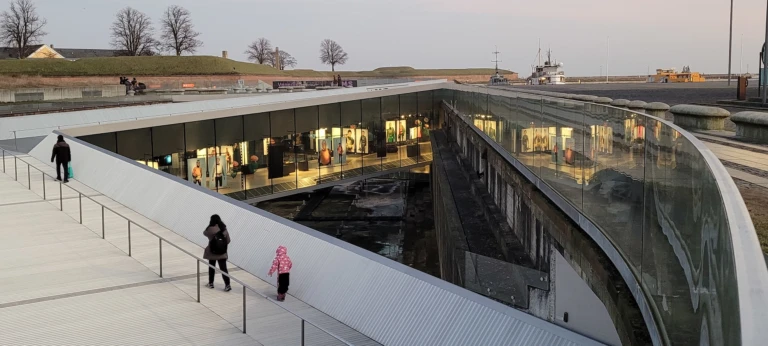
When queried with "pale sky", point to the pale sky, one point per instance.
{"points": [[451, 33]]}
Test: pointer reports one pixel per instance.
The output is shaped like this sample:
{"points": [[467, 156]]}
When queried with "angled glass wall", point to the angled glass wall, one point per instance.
{"points": [[254, 155], [646, 186]]}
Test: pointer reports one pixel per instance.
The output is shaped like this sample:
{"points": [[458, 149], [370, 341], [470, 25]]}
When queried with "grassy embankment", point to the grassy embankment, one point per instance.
{"points": [[193, 65]]}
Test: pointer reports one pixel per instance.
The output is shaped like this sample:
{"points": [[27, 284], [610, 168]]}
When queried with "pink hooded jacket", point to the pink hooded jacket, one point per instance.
{"points": [[282, 263]]}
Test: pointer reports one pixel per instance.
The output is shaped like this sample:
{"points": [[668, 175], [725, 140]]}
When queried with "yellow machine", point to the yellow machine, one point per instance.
{"points": [[672, 76]]}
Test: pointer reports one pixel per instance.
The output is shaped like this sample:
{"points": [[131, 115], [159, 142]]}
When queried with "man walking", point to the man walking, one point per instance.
{"points": [[63, 156]]}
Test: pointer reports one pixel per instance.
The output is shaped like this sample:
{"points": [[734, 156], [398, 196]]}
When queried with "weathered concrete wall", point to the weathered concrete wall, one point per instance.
{"points": [[477, 249], [64, 93], [220, 81], [543, 228]]}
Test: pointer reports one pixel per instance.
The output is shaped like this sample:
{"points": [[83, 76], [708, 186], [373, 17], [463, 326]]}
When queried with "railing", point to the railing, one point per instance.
{"points": [[160, 239], [658, 197]]}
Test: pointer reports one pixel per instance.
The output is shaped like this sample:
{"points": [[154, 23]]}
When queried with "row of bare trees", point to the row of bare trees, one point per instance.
{"points": [[133, 33], [261, 52]]}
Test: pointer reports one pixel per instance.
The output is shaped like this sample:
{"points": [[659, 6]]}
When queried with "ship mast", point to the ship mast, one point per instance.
{"points": [[539, 54], [496, 60]]}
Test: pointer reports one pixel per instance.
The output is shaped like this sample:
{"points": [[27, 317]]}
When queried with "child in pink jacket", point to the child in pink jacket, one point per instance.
{"points": [[282, 265]]}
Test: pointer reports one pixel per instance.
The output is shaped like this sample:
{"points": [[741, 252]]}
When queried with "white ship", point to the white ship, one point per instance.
{"points": [[549, 73]]}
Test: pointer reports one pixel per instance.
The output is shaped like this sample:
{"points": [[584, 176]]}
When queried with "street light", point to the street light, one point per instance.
{"points": [[730, 45]]}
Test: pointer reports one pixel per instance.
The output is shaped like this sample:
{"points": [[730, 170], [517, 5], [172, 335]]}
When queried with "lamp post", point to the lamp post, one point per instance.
{"points": [[730, 45], [765, 54]]}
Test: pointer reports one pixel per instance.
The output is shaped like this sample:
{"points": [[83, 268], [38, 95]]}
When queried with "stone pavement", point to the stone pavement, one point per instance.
{"points": [[744, 161]]}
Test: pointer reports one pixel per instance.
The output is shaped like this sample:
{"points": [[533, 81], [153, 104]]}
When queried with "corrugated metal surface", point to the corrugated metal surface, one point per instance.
{"points": [[385, 300]]}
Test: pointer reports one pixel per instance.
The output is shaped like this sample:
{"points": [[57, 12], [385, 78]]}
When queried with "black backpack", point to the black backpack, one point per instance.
{"points": [[218, 244]]}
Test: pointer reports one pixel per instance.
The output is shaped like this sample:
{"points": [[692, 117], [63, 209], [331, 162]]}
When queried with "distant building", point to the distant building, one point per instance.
{"points": [[43, 51], [672, 76], [39, 51]]}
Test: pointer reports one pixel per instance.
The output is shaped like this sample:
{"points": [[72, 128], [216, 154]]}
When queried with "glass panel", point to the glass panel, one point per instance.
{"points": [[168, 149], [564, 121], [106, 141], [394, 128], [281, 153], [648, 189], [136, 145], [424, 122], [229, 144], [371, 119], [256, 167], [306, 146], [200, 153], [355, 138], [332, 153], [409, 108]]}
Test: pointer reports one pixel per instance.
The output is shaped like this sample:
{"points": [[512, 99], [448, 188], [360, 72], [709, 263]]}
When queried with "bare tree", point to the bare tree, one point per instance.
{"points": [[332, 54], [260, 51], [132, 32], [21, 27], [178, 33], [286, 60]]}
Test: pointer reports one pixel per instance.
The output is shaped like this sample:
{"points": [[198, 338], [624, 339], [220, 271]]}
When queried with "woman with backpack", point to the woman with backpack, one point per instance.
{"points": [[216, 251]]}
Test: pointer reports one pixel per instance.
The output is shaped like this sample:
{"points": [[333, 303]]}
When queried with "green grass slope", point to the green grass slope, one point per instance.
{"points": [[134, 66], [197, 65]]}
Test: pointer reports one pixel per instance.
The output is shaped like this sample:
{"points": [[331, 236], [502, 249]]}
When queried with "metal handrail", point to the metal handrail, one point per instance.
{"points": [[160, 241]]}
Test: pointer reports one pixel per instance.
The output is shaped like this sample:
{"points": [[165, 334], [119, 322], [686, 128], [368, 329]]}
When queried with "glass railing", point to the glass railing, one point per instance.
{"points": [[645, 184]]}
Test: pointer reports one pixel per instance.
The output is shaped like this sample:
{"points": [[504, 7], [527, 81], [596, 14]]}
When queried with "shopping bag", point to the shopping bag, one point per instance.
{"points": [[70, 173]]}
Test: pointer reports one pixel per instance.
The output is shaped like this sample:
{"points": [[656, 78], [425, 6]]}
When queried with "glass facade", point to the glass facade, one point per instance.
{"points": [[259, 154], [647, 187], [644, 184]]}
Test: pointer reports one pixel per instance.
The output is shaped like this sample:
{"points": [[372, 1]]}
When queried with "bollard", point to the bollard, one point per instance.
{"points": [[604, 100], [657, 109], [699, 117], [621, 103], [637, 106], [751, 126]]}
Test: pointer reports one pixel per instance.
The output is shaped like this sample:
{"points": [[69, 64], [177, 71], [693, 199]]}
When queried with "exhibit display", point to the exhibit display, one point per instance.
{"points": [[285, 147]]}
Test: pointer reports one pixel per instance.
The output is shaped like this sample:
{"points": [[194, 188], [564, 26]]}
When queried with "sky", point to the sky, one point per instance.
{"points": [[630, 37]]}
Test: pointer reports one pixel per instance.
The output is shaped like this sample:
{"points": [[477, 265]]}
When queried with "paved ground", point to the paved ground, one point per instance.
{"points": [[64, 284], [671, 94], [748, 165]]}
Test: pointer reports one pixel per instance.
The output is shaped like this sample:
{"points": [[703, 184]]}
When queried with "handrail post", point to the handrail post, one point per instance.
{"points": [[160, 241], [29, 177], [80, 202], [198, 279], [129, 238], [61, 198], [244, 322], [43, 175], [102, 223], [302, 332], [15, 169]]}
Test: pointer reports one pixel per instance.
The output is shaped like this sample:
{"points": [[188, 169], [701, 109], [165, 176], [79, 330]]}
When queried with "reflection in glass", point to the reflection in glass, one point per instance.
{"points": [[168, 149], [201, 153], [332, 154], [229, 144], [257, 136], [371, 119], [355, 138], [281, 152]]}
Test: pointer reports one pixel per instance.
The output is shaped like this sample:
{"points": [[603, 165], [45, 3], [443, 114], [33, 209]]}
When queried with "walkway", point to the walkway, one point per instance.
{"points": [[64, 284], [745, 161]]}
